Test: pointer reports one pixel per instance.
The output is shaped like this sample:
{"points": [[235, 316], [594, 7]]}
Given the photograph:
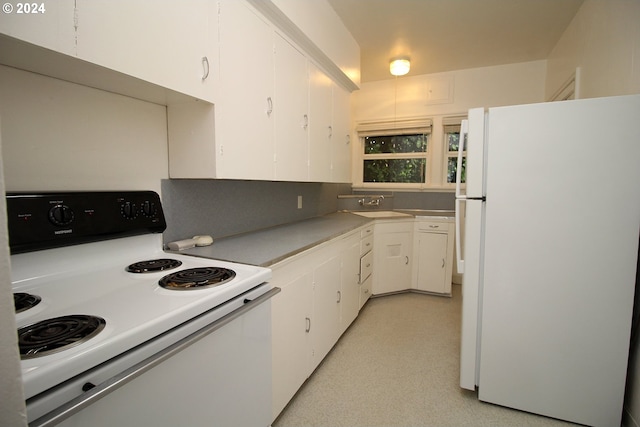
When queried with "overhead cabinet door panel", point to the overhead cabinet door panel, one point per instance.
{"points": [[159, 42], [291, 102], [244, 114]]}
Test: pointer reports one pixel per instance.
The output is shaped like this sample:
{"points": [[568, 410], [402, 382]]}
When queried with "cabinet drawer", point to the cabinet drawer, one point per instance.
{"points": [[433, 226], [366, 232], [365, 291], [366, 244], [366, 266]]}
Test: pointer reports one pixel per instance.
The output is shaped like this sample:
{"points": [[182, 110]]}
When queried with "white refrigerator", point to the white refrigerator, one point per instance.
{"points": [[552, 219]]}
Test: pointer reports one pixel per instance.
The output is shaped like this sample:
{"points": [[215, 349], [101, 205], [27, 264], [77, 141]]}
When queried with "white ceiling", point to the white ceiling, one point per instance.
{"points": [[446, 35]]}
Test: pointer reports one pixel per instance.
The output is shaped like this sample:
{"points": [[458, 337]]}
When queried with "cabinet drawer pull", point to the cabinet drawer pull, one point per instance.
{"points": [[443, 263], [205, 68], [407, 260], [305, 122], [434, 226], [308, 328], [330, 131], [339, 297]]}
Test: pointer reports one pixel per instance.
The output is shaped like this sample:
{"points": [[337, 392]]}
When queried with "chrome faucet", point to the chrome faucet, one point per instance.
{"points": [[373, 201]]}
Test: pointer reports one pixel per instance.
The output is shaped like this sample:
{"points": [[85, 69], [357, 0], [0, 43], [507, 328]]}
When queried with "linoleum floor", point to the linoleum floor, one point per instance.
{"points": [[398, 365]]}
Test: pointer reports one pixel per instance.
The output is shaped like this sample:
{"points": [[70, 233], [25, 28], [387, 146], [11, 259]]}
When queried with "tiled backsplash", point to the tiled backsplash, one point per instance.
{"points": [[223, 208], [226, 207], [399, 200]]}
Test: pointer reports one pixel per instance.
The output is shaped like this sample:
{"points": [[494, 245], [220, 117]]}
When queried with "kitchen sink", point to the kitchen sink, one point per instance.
{"points": [[382, 214], [433, 213]]}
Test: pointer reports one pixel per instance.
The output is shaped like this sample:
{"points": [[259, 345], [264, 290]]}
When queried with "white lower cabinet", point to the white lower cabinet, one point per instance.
{"points": [[392, 256], [324, 288], [319, 299], [350, 282], [326, 307], [291, 327], [366, 264], [433, 251]]}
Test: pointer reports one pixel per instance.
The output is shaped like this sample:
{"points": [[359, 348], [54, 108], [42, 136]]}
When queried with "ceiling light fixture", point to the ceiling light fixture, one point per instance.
{"points": [[399, 66]]}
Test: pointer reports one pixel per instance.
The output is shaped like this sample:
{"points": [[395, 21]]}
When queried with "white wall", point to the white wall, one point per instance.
{"points": [[520, 83], [603, 40], [445, 94], [58, 135]]}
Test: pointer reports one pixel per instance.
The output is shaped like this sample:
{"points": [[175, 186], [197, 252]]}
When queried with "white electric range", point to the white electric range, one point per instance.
{"points": [[103, 314]]}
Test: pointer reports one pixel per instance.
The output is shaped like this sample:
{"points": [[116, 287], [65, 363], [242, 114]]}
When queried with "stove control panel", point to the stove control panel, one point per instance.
{"points": [[46, 220]]}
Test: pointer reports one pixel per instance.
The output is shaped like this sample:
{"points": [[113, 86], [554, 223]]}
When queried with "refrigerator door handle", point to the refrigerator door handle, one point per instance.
{"points": [[464, 130], [459, 260]]}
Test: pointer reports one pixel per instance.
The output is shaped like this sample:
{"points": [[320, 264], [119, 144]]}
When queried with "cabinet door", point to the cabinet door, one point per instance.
{"points": [[432, 262], [341, 139], [52, 27], [350, 286], [320, 125], [291, 323], [244, 113], [290, 104], [326, 307], [391, 267], [160, 42]]}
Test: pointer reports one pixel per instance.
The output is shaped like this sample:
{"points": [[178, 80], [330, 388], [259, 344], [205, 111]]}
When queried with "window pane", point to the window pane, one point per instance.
{"points": [[394, 170], [451, 169], [396, 144], [453, 141]]}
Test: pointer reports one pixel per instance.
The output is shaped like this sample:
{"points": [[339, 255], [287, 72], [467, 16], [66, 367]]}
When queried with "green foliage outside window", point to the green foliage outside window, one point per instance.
{"points": [[453, 143], [401, 165], [394, 170]]}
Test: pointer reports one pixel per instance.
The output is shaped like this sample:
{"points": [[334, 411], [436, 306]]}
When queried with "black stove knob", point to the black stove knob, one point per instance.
{"points": [[61, 215], [149, 209], [129, 210]]}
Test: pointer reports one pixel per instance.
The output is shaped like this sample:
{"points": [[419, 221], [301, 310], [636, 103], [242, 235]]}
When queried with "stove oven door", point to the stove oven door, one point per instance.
{"points": [[209, 378]]}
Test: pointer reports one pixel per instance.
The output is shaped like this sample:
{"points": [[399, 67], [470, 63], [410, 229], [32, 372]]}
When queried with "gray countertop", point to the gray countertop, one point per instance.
{"points": [[269, 246]]}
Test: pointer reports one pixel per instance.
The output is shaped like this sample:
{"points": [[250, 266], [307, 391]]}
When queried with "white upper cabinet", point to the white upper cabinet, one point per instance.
{"points": [[329, 139], [245, 110], [320, 125], [47, 23], [291, 109], [166, 43], [268, 113], [341, 136]]}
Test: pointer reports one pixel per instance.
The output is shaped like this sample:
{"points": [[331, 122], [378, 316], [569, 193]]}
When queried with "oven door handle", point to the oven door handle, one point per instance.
{"points": [[101, 390]]}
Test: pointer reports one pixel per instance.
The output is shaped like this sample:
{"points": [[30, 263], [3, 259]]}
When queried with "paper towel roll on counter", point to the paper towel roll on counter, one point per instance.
{"points": [[180, 245]]}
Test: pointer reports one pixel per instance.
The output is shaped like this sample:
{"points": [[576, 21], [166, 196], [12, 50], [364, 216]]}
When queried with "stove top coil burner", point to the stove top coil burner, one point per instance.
{"points": [[53, 335], [154, 265], [197, 278], [23, 301]]}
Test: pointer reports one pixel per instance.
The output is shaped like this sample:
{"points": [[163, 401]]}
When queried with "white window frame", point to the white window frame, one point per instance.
{"points": [[393, 127], [449, 123]]}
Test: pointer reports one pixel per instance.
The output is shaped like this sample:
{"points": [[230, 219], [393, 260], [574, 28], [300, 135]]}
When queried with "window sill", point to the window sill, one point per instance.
{"points": [[405, 187]]}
